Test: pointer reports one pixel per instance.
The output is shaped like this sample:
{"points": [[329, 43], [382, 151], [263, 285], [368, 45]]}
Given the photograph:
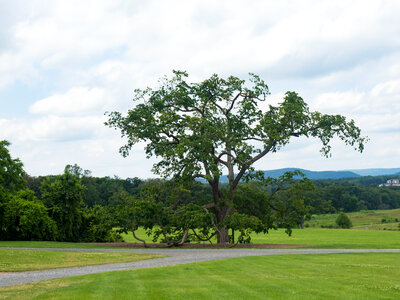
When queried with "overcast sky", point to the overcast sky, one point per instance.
{"points": [[64, 63]]}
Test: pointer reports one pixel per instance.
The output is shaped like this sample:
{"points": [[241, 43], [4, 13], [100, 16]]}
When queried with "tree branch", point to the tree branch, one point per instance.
{"points": [[206, 207], [134, 235], [206, 239], [240, 236], [184, 237], [248, 164], [233, 102]]}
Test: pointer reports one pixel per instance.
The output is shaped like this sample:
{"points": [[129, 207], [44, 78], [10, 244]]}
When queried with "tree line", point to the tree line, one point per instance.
{"points": [[47, 208], [76, 206]]}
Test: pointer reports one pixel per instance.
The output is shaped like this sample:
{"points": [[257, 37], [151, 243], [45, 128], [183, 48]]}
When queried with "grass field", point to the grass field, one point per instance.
{"points": [[46, 244], [328, 276], [25, 260], [320, 238], [366, 219]]}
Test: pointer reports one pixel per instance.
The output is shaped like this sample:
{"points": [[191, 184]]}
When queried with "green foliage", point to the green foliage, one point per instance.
{"points": [[97, 225], [348, 196], [186, 123], [63, 197], [245, 224], [161, 212], [26, 218], [11, 170], [343, 221], [102, 191], [11, 180], [4, 198], [199, 129]]}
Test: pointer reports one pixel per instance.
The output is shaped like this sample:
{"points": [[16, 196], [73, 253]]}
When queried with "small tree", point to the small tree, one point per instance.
{"points": [[343, 221], [63, 197], [202, 130]]}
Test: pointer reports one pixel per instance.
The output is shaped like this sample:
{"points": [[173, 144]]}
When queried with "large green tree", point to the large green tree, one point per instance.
{"points": [[206, 129]]}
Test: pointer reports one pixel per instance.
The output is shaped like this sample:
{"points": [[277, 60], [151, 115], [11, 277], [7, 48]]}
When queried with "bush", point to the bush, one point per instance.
{"points": [[97, 226], [26, 218], [343, 221]]}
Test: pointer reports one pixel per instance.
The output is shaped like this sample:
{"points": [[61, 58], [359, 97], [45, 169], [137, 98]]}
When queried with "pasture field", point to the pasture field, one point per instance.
{"points": [[365, 219], [322, 276], [25, 260], [319, 238]]}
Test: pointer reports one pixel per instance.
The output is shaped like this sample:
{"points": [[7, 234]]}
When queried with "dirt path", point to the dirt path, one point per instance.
{"points": [[175, 257]]}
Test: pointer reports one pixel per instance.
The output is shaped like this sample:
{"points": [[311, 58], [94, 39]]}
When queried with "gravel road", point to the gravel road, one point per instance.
{"points": [[175, 257]]}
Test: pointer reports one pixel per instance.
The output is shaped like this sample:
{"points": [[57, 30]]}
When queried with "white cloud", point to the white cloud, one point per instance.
{"points": [[339, 101], [206, 37], [375, 110], [386, 88], [87, 57], [77, 101], [53, 129]]}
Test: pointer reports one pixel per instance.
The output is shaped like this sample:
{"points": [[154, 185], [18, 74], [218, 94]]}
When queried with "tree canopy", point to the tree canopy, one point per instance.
{"points": [[11, 170], [202, 130]]}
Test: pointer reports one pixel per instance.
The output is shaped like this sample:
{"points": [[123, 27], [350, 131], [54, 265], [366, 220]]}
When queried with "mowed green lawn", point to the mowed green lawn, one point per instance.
{"points": [[319, 238], [46, 244], [25, 260], [326, 276]]}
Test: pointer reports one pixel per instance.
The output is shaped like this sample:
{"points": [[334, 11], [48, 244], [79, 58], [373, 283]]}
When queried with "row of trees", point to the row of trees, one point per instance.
{"points": [[334, 196], [67, 207], [58, 214], [329, 196], [54, 207]]}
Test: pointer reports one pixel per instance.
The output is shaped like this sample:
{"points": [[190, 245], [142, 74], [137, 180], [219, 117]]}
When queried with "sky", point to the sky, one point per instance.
{"points": [[63, 64]]}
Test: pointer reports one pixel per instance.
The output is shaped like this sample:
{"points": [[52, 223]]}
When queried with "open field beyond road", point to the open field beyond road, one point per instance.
{"points": [[319, 238], [316, 237], [319, 276], [365, 219]]}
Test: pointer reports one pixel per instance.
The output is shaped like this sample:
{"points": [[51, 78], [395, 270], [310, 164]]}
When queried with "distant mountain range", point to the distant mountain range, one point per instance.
{"points": [[377, 172], [328, 174]]}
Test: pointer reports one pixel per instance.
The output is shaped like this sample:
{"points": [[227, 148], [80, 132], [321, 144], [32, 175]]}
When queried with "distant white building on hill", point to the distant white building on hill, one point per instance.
{"points": [[391, 182]]}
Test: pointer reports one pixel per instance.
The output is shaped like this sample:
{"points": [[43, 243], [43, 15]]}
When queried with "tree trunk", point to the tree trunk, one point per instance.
{"points": [[222, 210], [223, 235]]}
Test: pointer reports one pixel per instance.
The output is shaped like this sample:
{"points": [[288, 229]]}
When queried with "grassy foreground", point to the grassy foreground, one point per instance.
{"points": [[319, 238], [25, 260], [329, 276]]}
